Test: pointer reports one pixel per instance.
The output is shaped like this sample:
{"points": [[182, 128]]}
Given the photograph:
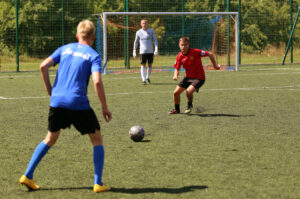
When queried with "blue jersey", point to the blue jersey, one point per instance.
{"points": [[76, 63]]}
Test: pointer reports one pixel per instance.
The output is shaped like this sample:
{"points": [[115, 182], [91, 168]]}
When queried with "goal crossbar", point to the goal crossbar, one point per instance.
{"points": [[105, 14]]}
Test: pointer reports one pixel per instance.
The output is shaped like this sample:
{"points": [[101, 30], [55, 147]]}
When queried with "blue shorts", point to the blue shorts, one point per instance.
{"points": [[85, 121]]}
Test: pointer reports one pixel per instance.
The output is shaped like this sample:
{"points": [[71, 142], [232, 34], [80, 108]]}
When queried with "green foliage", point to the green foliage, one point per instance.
{"points": [[263, 22], [40, 25], [254, 40], [7, 19], [109, 6], [158, 29], [155, 6]]}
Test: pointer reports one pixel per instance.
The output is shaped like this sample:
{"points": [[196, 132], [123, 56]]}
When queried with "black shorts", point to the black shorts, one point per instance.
{"points": [[186, 82], [147, 57], [85, 121]]}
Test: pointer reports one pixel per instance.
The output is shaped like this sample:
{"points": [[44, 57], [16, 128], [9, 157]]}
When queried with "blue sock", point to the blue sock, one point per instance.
{"points": [[38, 154], [98, 164]]}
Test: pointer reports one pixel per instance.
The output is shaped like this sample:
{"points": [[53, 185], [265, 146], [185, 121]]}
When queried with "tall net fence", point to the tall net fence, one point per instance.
{"points": [[42, 27], [39, 27]]}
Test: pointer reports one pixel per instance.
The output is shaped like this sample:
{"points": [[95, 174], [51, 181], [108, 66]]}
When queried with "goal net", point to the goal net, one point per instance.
{"points": [[212, 31]]}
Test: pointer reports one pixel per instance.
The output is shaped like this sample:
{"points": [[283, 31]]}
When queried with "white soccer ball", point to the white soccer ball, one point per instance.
{"points": [[136, 133]]}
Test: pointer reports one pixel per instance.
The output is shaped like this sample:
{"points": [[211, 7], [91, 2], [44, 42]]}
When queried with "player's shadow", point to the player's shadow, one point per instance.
{"points": [[218, 115], [62, 188], [184, 189], [163, 83], [146, 141]]}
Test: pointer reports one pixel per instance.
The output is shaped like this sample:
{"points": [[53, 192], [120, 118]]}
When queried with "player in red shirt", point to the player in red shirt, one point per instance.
{"points": [[190, 59]]}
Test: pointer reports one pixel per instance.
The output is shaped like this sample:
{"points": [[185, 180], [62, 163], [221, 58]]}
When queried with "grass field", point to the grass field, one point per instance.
{"points": [[269, 56], [241, 141]]}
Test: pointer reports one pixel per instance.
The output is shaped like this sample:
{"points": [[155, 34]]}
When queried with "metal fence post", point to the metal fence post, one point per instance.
{"points": [[17, 34], [126, 37], [62, 22], [228, 33]]}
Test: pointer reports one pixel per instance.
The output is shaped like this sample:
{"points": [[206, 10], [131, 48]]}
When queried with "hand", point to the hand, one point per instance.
{"points": [[218, 67], [156, 51], [134, 53], [175, 77], [106, 114]]}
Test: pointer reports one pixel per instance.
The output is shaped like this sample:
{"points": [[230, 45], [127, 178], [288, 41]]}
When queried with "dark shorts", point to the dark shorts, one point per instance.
{"points": [[85, 121], [147, 57], [186, 82]]}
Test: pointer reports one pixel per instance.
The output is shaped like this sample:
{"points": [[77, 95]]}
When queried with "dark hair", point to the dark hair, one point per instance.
{"points": [[184, 39]]}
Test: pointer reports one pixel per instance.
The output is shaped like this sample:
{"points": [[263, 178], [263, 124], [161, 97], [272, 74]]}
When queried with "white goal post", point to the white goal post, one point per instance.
{"points": [[233, 15]]}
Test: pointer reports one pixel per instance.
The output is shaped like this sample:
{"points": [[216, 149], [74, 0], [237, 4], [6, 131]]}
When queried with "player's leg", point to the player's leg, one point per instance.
{"points": [[149, 69], [86, 122], [176, 97], [182, 86], [40, 151], [143, 68], [196, 84], [98, 152], [56, 119], [189, 94]]}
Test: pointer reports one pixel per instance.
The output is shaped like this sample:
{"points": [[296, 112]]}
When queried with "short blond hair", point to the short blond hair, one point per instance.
{"points": [[86, 30]]}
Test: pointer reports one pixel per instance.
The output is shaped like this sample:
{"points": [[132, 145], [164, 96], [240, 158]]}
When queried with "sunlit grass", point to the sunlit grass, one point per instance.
{"points": [[270, 56]]}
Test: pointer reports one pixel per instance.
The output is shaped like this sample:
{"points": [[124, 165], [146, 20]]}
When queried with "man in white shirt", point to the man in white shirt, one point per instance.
{"points": [[145, 36]]}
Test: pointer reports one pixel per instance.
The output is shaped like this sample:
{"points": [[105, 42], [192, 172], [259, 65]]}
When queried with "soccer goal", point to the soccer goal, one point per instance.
{"points": [[217, 32]]}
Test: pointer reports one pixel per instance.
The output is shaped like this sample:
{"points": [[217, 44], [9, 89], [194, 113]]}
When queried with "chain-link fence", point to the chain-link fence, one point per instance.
{"points": [[31, 30]]}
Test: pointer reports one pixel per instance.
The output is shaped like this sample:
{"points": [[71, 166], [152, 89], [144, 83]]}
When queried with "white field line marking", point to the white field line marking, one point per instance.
{"points": [[273, 69], [17, 98], [22, 76], [283, 73], [289, 88], [207, 72]]}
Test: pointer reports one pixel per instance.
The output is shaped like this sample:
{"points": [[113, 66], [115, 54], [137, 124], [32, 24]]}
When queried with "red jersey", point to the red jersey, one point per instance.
{"points": [[192, 63]]}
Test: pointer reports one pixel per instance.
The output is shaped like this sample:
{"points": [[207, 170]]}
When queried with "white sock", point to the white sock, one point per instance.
{"points": [[149, 70], [143, 73]]}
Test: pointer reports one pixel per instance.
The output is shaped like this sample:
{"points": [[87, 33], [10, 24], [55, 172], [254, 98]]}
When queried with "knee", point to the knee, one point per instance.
{"points": [[96, 138], [188, 93], [50, 141], [176, 93]]}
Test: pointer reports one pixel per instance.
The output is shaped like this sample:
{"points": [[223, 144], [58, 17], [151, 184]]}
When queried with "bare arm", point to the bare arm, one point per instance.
{"points": [[99, 89], [213, 61], [176, 73], [44, 68]]}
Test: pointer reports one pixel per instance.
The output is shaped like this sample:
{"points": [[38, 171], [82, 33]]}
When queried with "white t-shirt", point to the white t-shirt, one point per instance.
{"points": [[146, 38]]}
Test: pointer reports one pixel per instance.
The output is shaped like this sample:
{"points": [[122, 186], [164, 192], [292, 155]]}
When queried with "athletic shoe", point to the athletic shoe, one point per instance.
{"points": [[188, 109], [29, 183], [174, 111], [98, 188], [144, 83], [149, 81]]}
